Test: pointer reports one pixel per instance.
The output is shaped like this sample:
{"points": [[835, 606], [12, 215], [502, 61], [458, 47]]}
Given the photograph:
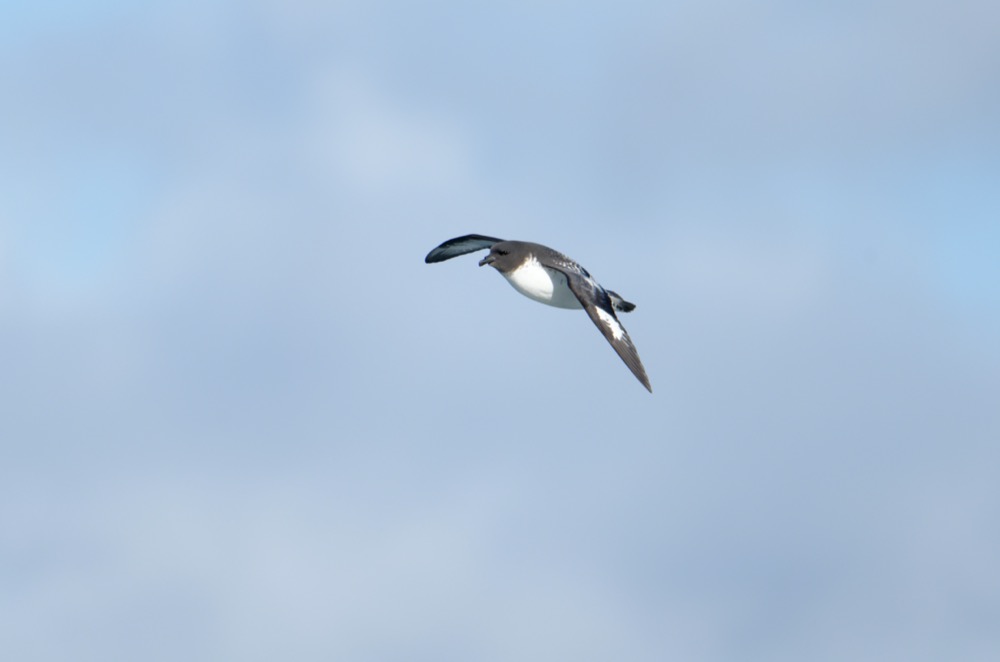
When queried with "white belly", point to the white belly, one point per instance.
{"points": [[543, 285]]}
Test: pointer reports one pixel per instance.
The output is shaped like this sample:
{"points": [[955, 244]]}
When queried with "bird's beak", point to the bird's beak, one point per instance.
{"points": [[486, 260]]}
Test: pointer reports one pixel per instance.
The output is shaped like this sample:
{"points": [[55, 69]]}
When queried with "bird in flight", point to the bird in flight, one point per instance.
{"points": [[548, 276]]}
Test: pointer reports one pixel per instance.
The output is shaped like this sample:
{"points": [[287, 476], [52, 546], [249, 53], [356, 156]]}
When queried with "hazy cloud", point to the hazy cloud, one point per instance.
{"points": [[241, 418]]}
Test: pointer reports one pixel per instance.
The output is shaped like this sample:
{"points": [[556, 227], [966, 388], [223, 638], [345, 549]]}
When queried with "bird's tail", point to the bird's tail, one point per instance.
{"points": [[619, 303]]}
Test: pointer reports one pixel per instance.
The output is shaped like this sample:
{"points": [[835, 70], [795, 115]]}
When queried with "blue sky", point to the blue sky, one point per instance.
{"points": [[242, 419]]}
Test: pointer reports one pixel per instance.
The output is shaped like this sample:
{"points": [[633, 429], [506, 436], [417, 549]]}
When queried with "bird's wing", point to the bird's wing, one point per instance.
{"points": [[596, 301], [460, 246]]}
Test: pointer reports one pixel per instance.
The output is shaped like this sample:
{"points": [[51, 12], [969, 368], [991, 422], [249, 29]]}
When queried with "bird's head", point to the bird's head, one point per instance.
{"points": [[500, 258]]}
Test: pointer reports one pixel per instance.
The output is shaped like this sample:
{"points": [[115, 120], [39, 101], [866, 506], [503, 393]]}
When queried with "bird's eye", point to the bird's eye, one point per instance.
{"points": [[501, 251]]}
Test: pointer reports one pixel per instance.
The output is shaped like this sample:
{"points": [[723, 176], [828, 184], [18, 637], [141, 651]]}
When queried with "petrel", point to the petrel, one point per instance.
{"points": [[548, 276]]}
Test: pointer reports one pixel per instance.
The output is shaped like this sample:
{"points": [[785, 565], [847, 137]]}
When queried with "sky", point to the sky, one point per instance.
{"points": [[240, 418]]}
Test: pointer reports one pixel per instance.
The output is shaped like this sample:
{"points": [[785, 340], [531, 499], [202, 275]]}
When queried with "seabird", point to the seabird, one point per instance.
{"points": [[548, 276]]}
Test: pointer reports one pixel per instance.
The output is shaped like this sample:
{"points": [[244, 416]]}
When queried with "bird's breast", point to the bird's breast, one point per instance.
{"points": [[544, 285]]}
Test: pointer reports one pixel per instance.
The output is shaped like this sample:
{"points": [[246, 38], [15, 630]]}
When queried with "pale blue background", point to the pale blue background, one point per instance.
{"points": [[240, 419]]}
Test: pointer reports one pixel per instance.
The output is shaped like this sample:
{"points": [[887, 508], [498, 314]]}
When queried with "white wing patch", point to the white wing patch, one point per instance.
{"points": [[616, 328]]}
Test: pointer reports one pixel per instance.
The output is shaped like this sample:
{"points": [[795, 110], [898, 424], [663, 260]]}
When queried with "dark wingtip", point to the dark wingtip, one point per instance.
{"points": [[640, 373], [434, 256]]}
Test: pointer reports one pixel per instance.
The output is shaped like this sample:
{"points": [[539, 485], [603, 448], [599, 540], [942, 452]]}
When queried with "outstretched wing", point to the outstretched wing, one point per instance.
{"points": [[599, 306], [460, 246]]}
